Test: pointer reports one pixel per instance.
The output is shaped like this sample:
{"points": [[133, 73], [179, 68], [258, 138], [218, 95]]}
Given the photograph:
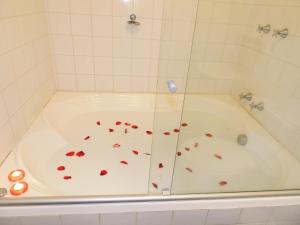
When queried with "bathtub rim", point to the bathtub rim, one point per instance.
{"points": [[70, 200]]}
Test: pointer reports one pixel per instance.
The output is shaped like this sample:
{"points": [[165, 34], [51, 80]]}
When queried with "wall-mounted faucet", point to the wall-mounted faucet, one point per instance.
{"points": [[282, 33], [248, 96], [133, 21], [264, 29], [259, 106]]}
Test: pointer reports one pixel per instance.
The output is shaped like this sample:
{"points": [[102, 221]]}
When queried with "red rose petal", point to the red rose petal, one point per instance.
{"points": [[116, 145], [155, 185], [187, 149], [61, 168], [223, 183], [103, 172], [87, 138], [136, 152], [124, 162], [218, 156], [184, 124], [118, 123], [160, 166], [148, 132], [179, 153], [70, 153], [196, 145], [176, 130], [167, 133], [189, 169], [134, 127], [127, 124], [80, 154], [111, 130], [126, 131], [209, 135], [98, 123], [67, 177]]}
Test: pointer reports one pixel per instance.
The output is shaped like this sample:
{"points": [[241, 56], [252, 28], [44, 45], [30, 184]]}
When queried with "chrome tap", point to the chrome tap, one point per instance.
{"points": [[3, 192], [259, 106], [282, 33], [247, 96], [265, 29]]}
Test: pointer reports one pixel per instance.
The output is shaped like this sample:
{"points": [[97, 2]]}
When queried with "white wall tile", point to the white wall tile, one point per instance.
{"points": [[255, 215], [102, 7], [9, 221], [154, 218], [189, 217], [38, 220], [88, 219], [81, 24], [118, 219], [223, 216], [83, 45]]}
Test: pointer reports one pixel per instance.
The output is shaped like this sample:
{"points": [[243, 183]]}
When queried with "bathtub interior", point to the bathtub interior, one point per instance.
{"points": [[119, 149]]}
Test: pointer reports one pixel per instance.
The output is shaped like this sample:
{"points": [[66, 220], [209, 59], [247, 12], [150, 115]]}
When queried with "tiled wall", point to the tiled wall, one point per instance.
{"points": [[287, 215], [26, 81], [270, 67], [216, 47], [95, 49]]}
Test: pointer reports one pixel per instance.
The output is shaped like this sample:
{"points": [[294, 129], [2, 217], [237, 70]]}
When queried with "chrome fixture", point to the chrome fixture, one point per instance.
{"points": [[259, 106], [3, 192], [133, 21], [247, 96], [242, 139], [172, 86], [282, 33], [265, 29]]}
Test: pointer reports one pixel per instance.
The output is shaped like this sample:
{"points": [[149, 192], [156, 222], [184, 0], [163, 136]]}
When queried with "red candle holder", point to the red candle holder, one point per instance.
{"points": [[19, 188], [16, 175]]}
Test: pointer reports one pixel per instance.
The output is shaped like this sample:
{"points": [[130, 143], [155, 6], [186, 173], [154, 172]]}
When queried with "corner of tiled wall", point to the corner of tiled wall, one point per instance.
{"points": [[26, 77]]}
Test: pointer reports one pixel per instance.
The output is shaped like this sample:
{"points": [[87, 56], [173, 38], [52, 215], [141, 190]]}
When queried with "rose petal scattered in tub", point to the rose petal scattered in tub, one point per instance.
{"points": [[87, 138], [124, 162], [176, 130], [218, 156], [223, 183], [80, 154], [209, 135], [154, 185], [98, 123], [127, 124], [196, 145], [178, 153], [189, 169], [134, 127], [167, 133], [116, 145], [184, 124], [136, 152], [148, 132], [67, 177], [147, 153], [71, 153], [160, 165], [111, 130], [103, 172], [118, 123], [125, 130], [187, 149], [61, 168]]}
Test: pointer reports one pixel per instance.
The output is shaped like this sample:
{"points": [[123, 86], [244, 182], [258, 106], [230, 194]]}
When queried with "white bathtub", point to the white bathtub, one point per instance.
{"points": [[262, 165]]}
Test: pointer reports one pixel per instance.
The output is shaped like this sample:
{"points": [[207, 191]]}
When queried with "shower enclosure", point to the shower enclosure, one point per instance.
{"points": [[223, 117]]}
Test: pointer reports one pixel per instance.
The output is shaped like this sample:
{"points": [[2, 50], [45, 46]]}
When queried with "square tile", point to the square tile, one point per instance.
{"points": [[223, 216], [154, 218], [118, 219]]}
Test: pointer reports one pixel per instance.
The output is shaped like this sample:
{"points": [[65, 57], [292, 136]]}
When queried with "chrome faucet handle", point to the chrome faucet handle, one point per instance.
{"points": [[259, 106], [248, 96], [132, 20], [282, 33], [3, 192], [265, 29]]}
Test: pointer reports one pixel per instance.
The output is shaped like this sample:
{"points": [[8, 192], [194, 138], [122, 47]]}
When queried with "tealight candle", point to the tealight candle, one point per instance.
{"points": [[19, 188], [16, 175]]}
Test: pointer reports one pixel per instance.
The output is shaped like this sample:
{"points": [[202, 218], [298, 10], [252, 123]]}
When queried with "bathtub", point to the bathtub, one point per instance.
{"points": [[106, 146]]}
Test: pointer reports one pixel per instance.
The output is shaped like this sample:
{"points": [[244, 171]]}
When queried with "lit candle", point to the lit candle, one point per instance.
{"points": [[19, 188], [16, 175]]}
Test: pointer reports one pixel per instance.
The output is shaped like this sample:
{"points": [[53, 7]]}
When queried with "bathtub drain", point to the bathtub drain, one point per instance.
{"points": [[242, 139]]}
